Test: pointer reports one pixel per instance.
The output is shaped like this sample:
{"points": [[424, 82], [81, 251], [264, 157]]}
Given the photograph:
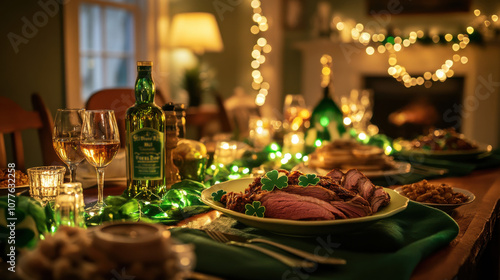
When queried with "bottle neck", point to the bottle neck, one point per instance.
{"points": [[326, 92], [144, 85]]}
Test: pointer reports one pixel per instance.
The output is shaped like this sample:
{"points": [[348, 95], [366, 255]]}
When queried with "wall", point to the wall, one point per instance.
{"points": [[38, 64]]}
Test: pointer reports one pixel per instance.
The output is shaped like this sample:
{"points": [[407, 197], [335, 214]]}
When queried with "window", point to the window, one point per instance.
{"points": [[104, 39], [107, 46]]}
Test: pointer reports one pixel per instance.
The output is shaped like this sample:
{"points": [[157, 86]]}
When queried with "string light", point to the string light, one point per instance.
{"points": [[396, 44], [260, 48]]}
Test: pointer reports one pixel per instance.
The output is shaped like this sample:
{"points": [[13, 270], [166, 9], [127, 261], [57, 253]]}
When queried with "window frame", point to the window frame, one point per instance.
{"points": [[150, 22]]}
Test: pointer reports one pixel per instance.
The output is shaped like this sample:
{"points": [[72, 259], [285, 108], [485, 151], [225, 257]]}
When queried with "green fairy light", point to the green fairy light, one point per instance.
{"points": [[235, 168], [298, 155], [324, 121], [234, 176], [246, 170], [275, 147], [388, 150], [317, 143]]}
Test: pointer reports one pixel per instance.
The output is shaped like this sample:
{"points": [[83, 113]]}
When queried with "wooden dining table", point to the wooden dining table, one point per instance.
{"points": [[473, 254]]}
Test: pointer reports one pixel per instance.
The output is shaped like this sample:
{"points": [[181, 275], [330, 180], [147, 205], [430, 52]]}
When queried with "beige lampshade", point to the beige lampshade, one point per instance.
{"points": [[196, 31]]}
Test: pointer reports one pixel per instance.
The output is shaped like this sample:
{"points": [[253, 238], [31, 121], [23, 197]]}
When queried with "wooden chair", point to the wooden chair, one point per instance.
{"points": [[201, 118], [14, 120], [119, 100]]}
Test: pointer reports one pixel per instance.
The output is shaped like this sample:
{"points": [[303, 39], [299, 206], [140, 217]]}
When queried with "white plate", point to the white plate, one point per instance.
{"points": [[449, 154], [301, 228], [447, 207], [17, 187], [400, 168]]}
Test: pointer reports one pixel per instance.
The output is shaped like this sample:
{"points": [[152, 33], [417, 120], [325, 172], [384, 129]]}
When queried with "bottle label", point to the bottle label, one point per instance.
{"points": [[147, 153]]}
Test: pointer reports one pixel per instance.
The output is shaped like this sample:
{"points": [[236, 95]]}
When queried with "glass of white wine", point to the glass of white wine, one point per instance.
{"points": [[99, 142], [66, 138]]}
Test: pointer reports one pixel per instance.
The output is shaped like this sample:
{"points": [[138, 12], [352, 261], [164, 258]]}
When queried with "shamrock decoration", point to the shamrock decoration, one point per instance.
{"points": [[218, 195], [273, 180], [255, 209], [308, 179]]}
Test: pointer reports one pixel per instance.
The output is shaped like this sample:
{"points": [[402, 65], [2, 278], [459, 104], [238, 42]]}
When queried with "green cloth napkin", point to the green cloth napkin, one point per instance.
{"points": [[387, 249]]}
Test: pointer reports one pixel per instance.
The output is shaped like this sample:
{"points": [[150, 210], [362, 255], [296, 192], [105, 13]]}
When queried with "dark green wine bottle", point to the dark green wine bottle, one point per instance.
{"points": [[327, 121], [145, 140]]}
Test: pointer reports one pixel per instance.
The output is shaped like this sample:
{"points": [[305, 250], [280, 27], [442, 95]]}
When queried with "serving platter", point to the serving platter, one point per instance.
{"points": [[17, 187], [399, 168], [482, 150], [447, 207], [299, 228]]}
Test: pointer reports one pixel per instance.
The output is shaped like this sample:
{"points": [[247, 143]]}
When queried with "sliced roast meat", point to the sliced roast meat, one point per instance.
{"points": [[235, 201], [343, 193], [313, 191], [351, 179], [354, 208], [282, 205], [365, 188], [337, 175], [379, 199]]}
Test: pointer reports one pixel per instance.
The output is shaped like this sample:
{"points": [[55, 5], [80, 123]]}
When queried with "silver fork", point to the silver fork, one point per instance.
{"points": [[300, 253], [292, 262]]}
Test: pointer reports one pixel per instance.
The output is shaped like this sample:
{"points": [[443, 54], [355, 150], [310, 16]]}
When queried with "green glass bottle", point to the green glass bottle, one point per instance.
{"points": [[327, 121], [145, 140]]}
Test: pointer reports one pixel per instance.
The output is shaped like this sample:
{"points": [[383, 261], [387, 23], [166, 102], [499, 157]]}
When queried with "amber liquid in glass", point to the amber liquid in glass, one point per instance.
{"points": [[100, 153], [69, 150]]}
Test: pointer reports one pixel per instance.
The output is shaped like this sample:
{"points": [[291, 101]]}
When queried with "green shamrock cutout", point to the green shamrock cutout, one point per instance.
{"points": [[273, 180], [218, 195], [308, 179], [255, 209]]}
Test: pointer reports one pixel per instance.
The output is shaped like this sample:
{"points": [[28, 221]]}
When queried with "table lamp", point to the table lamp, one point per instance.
{"points": [[196, 31], [200, 33]]}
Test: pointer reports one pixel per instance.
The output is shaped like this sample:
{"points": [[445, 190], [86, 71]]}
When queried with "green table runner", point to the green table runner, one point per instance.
{"points": [[387, 249]]}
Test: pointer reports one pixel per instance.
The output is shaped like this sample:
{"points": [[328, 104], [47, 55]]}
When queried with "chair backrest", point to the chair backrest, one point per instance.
{"points": [[201, 119], [14, 120], [119, 100]]}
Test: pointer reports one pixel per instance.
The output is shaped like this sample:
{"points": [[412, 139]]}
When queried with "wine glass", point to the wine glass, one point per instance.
{"points": [[99, 142], [66, 138], [295, 112]]}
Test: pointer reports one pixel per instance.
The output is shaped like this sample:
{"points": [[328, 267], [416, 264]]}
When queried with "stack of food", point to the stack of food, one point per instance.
{"points": [[439, 140], [16, 177], [427, 192], [347, 154]]}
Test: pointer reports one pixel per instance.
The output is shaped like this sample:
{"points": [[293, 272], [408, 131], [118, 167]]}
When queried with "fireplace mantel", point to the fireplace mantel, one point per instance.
{"points": [[351, 64]]}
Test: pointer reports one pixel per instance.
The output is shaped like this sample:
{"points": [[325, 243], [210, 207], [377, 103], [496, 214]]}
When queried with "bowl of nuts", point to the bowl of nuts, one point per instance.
{"points": [[438, 195]]}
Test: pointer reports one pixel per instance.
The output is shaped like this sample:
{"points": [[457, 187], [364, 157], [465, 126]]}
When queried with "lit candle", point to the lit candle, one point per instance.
{"points": [[225, 152], [293, 143], [260, 133]]}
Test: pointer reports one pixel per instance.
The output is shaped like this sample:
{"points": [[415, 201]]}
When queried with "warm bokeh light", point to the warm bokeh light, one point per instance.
{"points": [[370, 50]]}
